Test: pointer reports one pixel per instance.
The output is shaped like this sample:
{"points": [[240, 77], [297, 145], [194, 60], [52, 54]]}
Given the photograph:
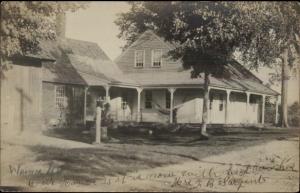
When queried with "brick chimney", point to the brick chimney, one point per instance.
{"points": [[61, 25]]}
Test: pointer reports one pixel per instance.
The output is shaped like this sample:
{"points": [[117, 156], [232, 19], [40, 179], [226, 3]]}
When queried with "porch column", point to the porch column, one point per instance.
{"points": [[263, 109], [171, 90], [139, 91], [84, 106], [107, 96], [247, 106], [227, 106], [276, 110]]}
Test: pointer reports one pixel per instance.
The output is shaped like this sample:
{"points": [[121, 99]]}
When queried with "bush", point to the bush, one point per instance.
{"points": [[294, 114]]}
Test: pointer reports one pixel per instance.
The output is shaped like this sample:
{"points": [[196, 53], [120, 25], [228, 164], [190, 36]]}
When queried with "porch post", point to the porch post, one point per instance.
{"points": [[139, 91], [247, 106], [227, 106], [263, 109], [171, 90], [107, 96], [276, 110], [84, 106]]}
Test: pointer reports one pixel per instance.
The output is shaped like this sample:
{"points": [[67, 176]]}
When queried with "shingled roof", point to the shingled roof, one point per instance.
{"points": [[80, 62]]}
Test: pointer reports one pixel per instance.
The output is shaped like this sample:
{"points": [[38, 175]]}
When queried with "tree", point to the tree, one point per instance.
{"points": [[25, 23], [282, 20], [207, 34]]}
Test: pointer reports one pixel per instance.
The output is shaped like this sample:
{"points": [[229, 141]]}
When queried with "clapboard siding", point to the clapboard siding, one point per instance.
{"points": [[73, 111], [21, 91], [147, 42]]}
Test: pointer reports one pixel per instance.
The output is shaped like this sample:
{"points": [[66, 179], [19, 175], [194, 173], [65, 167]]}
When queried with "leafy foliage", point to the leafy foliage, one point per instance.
{"points": [[25, 23], [294, 114], [206, 33]]}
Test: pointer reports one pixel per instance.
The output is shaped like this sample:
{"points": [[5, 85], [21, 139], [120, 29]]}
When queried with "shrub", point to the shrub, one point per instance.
{"points": [[294, 114]]}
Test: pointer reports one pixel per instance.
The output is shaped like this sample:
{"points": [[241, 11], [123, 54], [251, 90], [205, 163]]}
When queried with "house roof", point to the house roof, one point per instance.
{"points": [[80, 62], [240, 78]]}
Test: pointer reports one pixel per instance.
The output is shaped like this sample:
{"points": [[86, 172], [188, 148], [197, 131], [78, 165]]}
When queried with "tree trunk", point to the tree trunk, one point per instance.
{"points": [[284, 90], [205, 105]]}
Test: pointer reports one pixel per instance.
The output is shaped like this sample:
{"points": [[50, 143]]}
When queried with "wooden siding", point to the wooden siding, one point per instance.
{"points": [[21, 98], [189, 103], [73, 111], [148, 43]]}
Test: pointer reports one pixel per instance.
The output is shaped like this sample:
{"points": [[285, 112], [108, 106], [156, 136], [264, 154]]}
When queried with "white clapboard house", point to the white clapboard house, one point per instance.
{"points": [[143, 84]]}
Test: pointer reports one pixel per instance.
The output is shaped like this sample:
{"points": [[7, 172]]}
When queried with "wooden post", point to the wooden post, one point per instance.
{"points": [[263, 109], [98, 125], [247, 106], [276, 110], [227, 106], [171, 90], [139, 91], [84, 106], [107, 96]]}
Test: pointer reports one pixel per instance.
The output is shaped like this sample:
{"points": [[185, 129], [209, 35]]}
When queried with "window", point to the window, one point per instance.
{"points": [[156, 58], [124, 101], [168, 99], [211, 99], [148, 99], [221, 105], [139, 58], [60, 96]]}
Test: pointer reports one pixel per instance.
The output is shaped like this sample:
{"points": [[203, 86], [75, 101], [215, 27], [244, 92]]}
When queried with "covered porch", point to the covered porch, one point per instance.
{"points": [[179, 104]]}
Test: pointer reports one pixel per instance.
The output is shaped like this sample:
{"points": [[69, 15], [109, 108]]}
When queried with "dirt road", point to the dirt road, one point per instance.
{"points": [[231, 163]]}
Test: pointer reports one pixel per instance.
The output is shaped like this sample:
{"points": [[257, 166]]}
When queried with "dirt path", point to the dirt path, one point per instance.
{"points": [[265, 167], [271, 167]]}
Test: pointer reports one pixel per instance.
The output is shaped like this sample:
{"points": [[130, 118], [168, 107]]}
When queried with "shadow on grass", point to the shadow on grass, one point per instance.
{"points": [[74, 134], [129, 153], [217, 136]]}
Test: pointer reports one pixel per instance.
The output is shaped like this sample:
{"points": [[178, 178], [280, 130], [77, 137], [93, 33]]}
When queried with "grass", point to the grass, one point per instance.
{"points": [[129, 153], [133, 152]]}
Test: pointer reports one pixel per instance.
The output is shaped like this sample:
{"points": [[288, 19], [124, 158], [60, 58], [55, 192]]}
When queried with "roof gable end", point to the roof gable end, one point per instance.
{"points": [[145, 36]]}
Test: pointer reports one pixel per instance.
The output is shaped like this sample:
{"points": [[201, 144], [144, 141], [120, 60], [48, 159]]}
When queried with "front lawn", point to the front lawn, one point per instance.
{"points": [[127, 154]]}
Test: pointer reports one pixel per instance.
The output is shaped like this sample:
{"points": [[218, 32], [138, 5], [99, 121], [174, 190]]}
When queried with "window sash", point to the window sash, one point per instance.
{"points": [[124, 101], [148, 100], [168, 100], [60, 96], [139, 58], [222, 102], [156, 58]]}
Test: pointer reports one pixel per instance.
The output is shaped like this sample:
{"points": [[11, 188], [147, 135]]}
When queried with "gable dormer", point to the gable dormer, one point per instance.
{"points": [[147, 53]]}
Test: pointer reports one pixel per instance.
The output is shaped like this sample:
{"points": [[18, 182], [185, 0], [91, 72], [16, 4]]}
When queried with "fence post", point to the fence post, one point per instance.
{"points": [[98, 125]]}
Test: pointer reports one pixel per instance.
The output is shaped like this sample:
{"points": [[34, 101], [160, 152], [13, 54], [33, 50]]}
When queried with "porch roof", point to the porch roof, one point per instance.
{"points": [[182, 78], [80, 62]]}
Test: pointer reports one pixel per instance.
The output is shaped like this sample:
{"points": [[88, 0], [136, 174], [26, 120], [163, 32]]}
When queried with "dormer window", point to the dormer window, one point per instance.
{"points": [[156, 58], [139, 58]]}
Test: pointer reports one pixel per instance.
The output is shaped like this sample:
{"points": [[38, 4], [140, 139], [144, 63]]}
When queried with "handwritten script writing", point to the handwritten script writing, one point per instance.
{"points": [[236, 177], [202, 175]]}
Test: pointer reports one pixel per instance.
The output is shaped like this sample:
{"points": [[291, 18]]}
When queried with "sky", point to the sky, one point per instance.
{"points": [[96, 24]]}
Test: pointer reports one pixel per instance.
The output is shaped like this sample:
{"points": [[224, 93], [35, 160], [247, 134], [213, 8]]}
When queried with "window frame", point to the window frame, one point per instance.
{"points": [[124, 101], [135, 58], [211, 100], [64, 97], [152, 58], [147, 101], [222, 102], [168, 100]]}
